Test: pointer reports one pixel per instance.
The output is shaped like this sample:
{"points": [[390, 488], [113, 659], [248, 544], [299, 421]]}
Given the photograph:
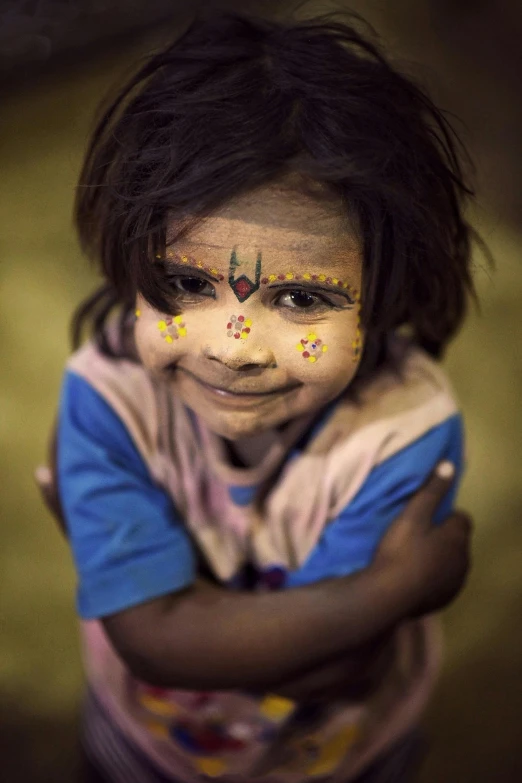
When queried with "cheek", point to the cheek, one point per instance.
{"points": [[328, 354], [159, 337]]}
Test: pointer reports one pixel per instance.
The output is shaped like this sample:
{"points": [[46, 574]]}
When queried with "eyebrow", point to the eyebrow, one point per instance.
{"points": [[184, 262]]}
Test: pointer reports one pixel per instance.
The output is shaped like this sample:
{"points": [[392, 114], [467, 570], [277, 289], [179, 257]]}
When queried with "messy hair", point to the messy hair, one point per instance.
{"points": [[236, 103]]}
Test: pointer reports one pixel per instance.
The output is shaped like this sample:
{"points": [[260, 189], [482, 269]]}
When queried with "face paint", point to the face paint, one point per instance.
{"points": [[238, 327], [243, 287], [335, 282], [190, 261], [172, 328], [311, 348], [137, 313]]}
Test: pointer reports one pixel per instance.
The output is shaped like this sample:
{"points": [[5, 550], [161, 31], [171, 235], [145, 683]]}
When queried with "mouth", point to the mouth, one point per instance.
{"points": [[240, 394]]}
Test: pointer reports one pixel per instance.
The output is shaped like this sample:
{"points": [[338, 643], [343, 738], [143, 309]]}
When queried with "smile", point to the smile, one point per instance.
{"points": [[243, 394]]}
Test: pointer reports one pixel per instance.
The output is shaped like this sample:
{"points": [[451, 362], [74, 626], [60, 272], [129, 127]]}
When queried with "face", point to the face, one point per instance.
{"points": [[265, 312]]}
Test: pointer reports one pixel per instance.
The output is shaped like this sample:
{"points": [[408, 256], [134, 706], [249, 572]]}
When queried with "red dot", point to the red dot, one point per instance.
{"points": [[236, 335], [220, 278], [229, 326], [305, 354], [303, 341], [339, 282], [241, 318], [246, 330], [280, 277], [264, 280], [314, 277], [297, 277]]}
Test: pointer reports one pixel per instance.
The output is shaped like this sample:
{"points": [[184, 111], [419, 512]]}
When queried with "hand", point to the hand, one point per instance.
{"points": [[431, 561]]}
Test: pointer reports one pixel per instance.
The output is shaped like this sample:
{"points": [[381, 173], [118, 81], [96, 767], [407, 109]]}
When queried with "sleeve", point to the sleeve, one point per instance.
{"points": [[129, 544], [348, 543]]}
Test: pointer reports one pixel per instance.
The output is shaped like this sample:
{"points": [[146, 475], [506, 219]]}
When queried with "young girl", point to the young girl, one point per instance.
{"points": [[272, 205]]}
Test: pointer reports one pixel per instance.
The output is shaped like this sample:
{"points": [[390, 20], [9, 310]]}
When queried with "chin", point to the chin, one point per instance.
{"points": [[236, 425]]}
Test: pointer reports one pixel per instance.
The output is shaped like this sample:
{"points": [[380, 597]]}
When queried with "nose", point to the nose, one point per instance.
{"points": [[241, 355]]}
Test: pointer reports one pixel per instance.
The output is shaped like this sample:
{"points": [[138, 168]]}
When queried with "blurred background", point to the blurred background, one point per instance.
{"points": [[57, 58]]}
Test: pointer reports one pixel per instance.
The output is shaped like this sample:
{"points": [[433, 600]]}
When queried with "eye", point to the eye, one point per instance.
{"points": [[194, 286], [301, 300]]}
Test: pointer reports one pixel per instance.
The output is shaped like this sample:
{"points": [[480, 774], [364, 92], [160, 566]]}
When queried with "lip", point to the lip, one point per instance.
{"points": [[240, 396]]}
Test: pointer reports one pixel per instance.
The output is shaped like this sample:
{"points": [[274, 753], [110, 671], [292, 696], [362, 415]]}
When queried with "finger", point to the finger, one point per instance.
{"points": [[459, 521], [425, 502]]}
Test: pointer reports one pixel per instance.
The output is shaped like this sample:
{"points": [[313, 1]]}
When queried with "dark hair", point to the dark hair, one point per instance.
{"points": [[237, 102]]}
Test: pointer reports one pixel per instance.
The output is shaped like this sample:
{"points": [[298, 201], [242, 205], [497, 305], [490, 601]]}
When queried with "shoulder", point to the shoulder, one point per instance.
{"points": [[394, 409], [113, 390]]}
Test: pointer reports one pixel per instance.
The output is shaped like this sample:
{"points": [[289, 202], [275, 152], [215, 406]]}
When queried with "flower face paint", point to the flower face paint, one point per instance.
{"points": [[298, 263], [172, 328], [311, 348], [239, 327]]}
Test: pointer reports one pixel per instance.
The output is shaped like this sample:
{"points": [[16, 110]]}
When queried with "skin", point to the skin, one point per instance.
{"points": [[243, 389]]}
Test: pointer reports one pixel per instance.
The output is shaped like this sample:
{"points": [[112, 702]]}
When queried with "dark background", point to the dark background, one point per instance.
{"points": [[56, 60]]}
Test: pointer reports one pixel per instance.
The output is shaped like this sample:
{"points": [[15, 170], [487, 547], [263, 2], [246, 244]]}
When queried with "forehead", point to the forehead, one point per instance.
{"points": [[284, 224]]}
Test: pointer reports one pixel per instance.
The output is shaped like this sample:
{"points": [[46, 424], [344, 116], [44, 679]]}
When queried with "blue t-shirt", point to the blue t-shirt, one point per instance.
{"points": [[130, 544]]}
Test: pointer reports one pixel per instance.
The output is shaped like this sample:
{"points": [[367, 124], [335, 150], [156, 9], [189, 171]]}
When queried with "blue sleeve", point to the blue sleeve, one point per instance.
{"points": [[128, 542], [349, 542]]}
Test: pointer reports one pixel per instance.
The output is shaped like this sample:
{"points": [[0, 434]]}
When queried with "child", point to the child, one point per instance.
{"points": [[271, 204]]}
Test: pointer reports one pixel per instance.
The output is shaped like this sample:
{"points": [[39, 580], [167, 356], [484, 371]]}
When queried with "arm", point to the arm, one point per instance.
{"points": [[136, 569], [350, 542], [212, 638]]}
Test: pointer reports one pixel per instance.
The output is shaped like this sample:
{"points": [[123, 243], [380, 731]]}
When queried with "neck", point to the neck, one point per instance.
{"points": [[250, 451]]}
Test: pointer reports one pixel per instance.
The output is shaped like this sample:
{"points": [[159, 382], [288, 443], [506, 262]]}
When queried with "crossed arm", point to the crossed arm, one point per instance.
{"points": [[207, 637]]}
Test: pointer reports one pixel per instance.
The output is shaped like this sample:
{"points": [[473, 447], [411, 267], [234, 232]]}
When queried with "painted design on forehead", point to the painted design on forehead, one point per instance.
{"points": [[238, 327], [172, 328], [311, 348], [243, 286], [311, 278], [190, 261]]}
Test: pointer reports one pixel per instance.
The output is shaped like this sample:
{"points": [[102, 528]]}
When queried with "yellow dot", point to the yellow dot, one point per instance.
{"points": [[178, 319], [168, 339], [210, 767], [312, 359], [138, 313], [289, 276], [162, 326], [312, 337], [271, 278], [213, 271], [248, 322], [244, 335], [276, 707], [322, 278], [345, 285], [184, 259], [158, 729], [158, 255], [335, 280], [199, 264], [182, 331], [324, 348], [300, 347], [307, 276]]}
